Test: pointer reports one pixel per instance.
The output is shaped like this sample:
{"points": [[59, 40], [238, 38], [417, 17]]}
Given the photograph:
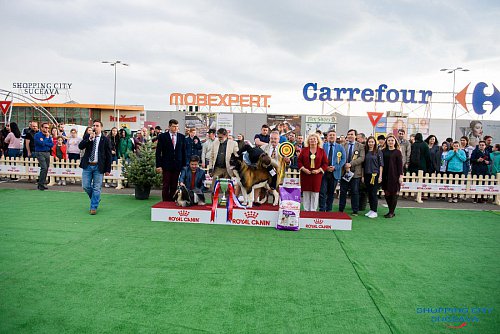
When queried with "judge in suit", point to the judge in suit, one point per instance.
{"points": [[222, 149], [96, 162], [355, 156], [336, 160], [170, 158]]}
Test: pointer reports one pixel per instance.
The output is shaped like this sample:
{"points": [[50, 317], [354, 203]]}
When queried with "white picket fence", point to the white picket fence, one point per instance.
{"points": [[67, 170], [416, 185], [436, 186]]}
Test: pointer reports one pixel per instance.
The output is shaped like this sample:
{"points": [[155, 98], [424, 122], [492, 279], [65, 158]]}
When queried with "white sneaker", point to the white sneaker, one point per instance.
{"points": [[373, 215], [59, 182], [368, 213], [450, 200], [63, 182], [106, 185]]}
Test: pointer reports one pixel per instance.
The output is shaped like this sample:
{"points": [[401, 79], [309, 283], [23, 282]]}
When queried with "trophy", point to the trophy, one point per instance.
{"points": [[223, 184]]}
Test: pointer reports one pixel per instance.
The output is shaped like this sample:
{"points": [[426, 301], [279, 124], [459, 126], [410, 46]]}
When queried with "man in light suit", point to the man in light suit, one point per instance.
{"points": [[355, 157], [336, 160], [170, 158], [220, 155]]}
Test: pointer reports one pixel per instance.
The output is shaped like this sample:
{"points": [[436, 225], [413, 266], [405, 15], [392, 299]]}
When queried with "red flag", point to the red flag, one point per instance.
{"points": [[5, 105], [374, 117]]}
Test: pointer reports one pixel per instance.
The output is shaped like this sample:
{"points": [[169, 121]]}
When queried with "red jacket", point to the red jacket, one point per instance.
{"points": [[63, 149], [312, 182]]}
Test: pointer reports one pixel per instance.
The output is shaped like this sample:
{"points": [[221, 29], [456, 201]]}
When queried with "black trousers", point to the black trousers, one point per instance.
{"points": [[372, 190]]}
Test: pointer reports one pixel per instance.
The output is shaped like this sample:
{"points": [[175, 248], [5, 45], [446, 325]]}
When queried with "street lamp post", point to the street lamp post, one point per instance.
{"points": [[115, 114], [453, 105]]}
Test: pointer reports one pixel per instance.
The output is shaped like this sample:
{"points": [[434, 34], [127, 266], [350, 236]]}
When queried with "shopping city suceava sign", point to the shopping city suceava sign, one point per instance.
{"points": [[40, 90]]}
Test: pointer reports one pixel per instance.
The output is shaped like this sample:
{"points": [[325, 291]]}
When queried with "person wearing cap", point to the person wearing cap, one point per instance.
{"points": [[206, 150]]}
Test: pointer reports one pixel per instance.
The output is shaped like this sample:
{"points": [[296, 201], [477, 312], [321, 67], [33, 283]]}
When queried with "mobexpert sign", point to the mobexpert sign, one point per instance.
{"points": [[380, 94], [41, 88], [218, 100]]}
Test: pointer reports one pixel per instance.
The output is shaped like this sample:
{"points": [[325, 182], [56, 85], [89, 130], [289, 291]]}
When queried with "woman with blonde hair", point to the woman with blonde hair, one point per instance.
{"points": [[312, 163]]}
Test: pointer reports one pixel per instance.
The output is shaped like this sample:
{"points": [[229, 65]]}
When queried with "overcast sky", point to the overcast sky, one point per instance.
{"points": [[258, 47]]}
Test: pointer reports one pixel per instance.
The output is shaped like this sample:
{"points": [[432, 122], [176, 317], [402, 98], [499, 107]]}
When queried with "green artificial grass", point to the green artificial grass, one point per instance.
{"points": [[62, 270]]}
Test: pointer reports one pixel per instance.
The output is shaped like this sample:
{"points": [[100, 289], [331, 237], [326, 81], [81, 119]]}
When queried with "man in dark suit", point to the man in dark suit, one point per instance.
{"points": [[96, 162], [170, 158]]}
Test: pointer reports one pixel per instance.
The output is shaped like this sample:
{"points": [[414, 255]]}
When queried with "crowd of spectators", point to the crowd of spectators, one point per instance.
{"points": [[359, 164]]}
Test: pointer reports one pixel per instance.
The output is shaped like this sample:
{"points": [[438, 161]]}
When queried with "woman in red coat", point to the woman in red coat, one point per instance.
{"points": [[312, 163], [392, 176]]}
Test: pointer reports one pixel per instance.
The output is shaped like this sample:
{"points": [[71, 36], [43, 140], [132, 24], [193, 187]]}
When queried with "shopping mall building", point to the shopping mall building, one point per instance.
{"points": [[80, 114]]}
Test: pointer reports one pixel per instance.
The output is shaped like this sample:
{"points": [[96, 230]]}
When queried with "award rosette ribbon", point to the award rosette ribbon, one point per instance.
{"points": [[224, 186], [285, 150], [339, 156]]}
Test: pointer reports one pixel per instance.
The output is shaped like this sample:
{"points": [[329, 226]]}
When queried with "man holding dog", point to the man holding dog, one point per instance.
{"points": [[170, 158], [192, 177], [221, 154]]}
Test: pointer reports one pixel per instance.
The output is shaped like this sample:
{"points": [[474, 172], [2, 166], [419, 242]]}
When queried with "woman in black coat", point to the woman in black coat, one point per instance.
{"points": [[392, 175], [434, 154], [420, 156]]}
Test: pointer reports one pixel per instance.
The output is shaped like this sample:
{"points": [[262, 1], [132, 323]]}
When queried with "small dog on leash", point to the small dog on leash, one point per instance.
{"points": [[184, 197]]}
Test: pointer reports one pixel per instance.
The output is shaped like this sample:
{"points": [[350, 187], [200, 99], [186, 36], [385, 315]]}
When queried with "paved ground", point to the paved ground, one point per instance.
{"points": [[408, 203]]}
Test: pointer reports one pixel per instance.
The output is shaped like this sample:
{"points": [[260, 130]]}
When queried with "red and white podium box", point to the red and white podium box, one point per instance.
{"points": [[262, 216], [325, 220]]}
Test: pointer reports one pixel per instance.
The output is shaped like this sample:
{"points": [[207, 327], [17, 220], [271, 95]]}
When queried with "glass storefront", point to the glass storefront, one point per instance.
{"points": [[74, 114]]}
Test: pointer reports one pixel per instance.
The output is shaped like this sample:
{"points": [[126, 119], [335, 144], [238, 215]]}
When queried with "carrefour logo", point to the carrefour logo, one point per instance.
{"points": [[479, 98]]}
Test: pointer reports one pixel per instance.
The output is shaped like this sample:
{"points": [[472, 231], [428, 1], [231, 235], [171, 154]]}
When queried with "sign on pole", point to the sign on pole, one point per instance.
{"points": [[5, 105], [374, 117]]}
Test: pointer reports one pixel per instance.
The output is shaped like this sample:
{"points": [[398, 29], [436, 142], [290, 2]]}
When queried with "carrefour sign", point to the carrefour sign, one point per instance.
{"points": [[311, 92], [479, 98]]}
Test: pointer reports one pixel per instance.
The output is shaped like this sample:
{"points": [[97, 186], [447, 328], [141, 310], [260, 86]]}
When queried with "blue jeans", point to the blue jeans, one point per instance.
{"points": [[353, 186], [92, 183], [14, 152], [327, 192]]}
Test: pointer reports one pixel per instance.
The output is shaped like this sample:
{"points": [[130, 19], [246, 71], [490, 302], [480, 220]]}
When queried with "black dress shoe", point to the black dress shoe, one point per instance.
{"points": [[42, 187], [389, 215]]}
